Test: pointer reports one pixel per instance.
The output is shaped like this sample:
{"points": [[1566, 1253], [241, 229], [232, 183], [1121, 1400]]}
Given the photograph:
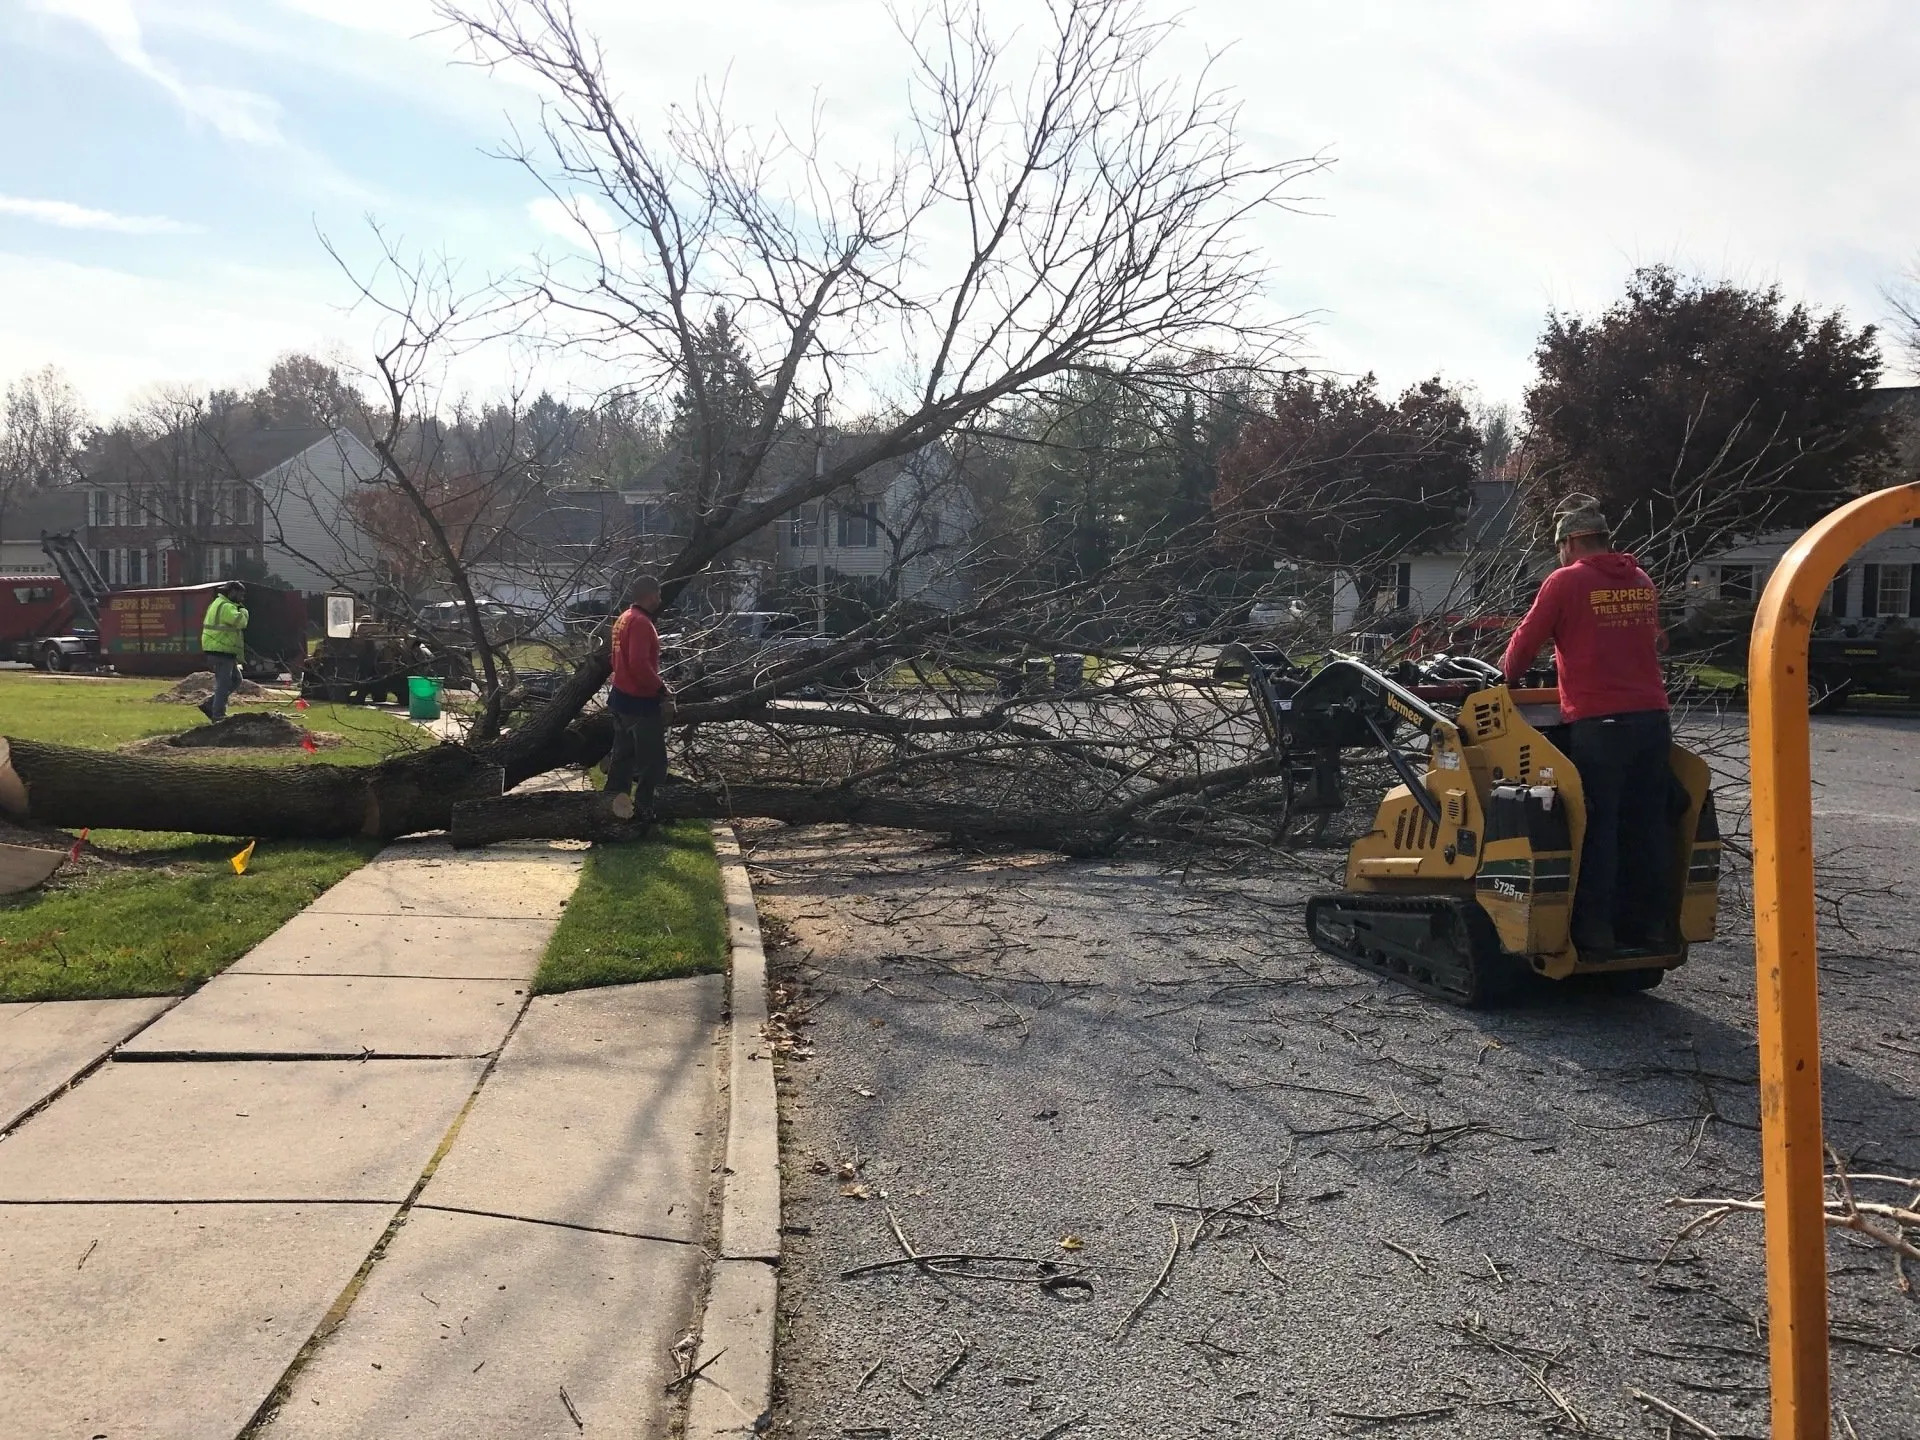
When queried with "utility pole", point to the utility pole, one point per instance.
{"points": [[820, 528]]}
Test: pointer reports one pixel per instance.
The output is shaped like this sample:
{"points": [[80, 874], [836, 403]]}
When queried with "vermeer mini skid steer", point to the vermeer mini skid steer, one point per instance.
{"points": [[1464, 886]]}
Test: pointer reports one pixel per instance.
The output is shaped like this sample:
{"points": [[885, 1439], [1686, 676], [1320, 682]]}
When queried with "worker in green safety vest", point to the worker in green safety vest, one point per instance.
{"points": [[223, 635]]}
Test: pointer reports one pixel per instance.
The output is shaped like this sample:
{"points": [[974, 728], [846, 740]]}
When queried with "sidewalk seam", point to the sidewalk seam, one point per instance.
{"points": [[342, 1305], [735, 1392], [101, 1059]]}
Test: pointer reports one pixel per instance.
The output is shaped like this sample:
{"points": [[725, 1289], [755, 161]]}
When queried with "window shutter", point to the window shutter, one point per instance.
{"points": [[1869, 591], [873, 525], [1913, 584], [1837, 596]]}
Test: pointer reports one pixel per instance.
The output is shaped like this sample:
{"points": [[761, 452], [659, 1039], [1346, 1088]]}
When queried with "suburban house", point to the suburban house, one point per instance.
{"points": [[43, 512], [1487, 564], [903, 523], [1493, 561], [556, 552], [1883, 577], [263, 502]]}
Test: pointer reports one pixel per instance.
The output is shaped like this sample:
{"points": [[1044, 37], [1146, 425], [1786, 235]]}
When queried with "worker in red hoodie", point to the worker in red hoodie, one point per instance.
{"points": [[641, 702], [1602, 614]]}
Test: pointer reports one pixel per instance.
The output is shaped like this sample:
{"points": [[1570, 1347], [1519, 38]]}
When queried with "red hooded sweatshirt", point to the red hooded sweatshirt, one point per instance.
{"points": [[1602, 614]]}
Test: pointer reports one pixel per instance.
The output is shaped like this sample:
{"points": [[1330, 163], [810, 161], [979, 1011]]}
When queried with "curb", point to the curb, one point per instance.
{"points": [[736, 1332]]}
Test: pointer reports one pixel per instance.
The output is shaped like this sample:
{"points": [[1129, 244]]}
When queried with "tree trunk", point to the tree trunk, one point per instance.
{"points": [[544, 815], [578, 815], [63, 785]]}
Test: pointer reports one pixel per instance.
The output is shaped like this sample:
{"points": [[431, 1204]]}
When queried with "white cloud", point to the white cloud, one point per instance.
{"points": [[115, 333], [69, 216], [237, 114]]}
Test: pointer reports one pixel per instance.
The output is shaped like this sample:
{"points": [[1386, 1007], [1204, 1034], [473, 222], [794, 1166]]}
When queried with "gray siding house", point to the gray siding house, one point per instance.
{"points": [[273, 500]]}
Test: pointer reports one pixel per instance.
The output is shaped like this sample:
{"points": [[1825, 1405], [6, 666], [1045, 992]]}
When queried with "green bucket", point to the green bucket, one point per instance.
{"points": [[423, 697]]}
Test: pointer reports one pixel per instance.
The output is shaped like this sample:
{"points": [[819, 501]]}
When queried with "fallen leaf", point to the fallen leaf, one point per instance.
{"points": [[854, 1192], [1072, 1242]]}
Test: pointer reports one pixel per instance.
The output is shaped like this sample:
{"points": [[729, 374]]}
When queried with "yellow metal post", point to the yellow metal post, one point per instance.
{"points": [[1793, 1155]]}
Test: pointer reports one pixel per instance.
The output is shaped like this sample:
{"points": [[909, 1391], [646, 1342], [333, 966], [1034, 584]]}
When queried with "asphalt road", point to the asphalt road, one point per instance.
{"points": [[1451, 1224]]}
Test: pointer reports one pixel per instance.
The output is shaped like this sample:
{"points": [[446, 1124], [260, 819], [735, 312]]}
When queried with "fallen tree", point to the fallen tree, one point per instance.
{"points": [[65, 785]]}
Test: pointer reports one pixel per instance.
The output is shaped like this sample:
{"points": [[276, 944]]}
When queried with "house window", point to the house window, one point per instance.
{"points": [[1896, 590], [136, 567], [859, 527], [100, 508], [650, 518], [103, 560], [1736, 584], [242, 505]]}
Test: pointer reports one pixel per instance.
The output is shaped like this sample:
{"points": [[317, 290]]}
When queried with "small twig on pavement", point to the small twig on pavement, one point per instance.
{"points": [[1266, 1264], [1165, 1270], [688, 1378], [872, 1370], [1674, 1412], [952, 1365], [1417, 1259], [573, 1414]]}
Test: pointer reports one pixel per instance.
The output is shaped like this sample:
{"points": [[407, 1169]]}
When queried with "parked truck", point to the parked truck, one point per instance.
{"points": [[37, 624], [71, 619]]}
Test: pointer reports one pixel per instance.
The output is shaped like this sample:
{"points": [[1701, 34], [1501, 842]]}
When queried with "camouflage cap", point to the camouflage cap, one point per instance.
{"points": [[1578, 515]]}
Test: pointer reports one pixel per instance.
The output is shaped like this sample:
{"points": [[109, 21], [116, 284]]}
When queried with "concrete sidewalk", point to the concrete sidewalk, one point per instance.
{"points": [[360, 1184]]}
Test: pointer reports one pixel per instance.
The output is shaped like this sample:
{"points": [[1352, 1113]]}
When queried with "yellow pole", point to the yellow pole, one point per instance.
{"points": [[1793, 1157]]}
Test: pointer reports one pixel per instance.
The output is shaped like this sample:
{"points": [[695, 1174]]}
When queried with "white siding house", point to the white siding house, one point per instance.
{"points": [[912, 534], [1488, 564], [1881, 580]]}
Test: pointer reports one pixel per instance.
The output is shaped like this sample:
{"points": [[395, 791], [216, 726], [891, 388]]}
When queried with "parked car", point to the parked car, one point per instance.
{"points": [[501, 622], [1861, 657]]}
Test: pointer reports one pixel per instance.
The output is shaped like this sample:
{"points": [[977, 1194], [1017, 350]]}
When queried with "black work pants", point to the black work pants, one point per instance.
{"points": [[1626, 861], [638, 760]]}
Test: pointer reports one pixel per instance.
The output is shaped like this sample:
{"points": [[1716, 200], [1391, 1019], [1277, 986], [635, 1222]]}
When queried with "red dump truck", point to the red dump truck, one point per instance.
{"points": [[157, 632], [40, 625]]}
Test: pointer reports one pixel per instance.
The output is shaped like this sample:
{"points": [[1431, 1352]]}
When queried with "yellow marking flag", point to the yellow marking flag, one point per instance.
{"points": [[239, 862]]}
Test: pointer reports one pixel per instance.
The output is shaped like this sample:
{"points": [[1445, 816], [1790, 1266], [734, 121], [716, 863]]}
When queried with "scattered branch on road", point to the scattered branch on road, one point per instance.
{"points": [[1881, 1222], [1173, 1253]]}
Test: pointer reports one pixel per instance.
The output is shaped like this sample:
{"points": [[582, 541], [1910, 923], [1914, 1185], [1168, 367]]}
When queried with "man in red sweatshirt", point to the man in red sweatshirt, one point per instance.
{"points": [[640, 701], [1602, 614]]}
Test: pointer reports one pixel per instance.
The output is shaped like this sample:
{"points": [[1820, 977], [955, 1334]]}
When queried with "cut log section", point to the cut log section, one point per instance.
{"points": [[22, 867], [544, 815], [64, 785]]}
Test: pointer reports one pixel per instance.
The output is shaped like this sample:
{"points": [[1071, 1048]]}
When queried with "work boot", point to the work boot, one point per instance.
{"points": [[202, 708], [1659, 939], [1595, 942]]}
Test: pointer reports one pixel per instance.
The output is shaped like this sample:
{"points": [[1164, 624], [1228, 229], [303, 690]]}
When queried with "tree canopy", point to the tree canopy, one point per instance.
{"points": [[1336, 475], [1699, 412]]}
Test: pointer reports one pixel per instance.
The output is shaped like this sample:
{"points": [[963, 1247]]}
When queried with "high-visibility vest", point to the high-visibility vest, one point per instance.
{"points": [[223, 631]]}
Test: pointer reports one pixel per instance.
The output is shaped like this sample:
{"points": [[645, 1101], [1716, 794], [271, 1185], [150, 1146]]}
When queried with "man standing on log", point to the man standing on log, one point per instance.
{"points": [[1602, 614], [640, 701], [223, 635]]}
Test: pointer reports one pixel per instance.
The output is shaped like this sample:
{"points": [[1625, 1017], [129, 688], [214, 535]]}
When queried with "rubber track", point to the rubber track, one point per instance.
{"points": [[1463, 965]]}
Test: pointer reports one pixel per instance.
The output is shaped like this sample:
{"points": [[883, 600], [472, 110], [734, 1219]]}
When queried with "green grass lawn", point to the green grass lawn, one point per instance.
{"points": [[165, 930], [646, 911], [178, 914]]}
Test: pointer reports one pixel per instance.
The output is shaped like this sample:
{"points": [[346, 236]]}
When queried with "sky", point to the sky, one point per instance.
{"points": [[174, 166]]}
